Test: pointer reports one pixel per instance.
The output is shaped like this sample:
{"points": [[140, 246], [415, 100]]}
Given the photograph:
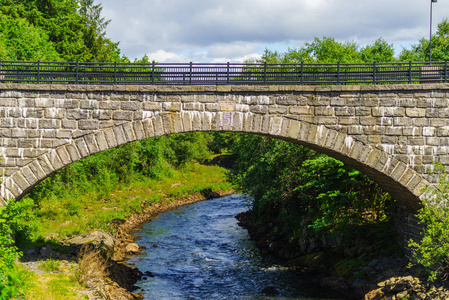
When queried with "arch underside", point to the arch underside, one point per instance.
{"points": [[400, 180]]}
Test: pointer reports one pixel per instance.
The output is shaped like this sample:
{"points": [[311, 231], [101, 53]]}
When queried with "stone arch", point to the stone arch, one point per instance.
{"points": [[394, 176]]}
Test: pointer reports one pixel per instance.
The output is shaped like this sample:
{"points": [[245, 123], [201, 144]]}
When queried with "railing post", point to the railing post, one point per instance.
{"points": [[190, 79], [115, 72], [265, 73], [374, 73], [445, 71], [227, 74], [77, 73], [302, 72], [338, 73], [409, 72], [152, 73], [38, 71]]}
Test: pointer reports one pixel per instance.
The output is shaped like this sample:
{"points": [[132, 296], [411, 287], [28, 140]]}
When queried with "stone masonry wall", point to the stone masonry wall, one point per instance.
{"points": [[393, 133]]}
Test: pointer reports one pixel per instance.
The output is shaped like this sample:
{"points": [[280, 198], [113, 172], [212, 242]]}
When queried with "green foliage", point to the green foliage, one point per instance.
{"points": [[440, 46], [16, 218], [19, 40], [68, 30], [295, 188], [328, 50], [101, 173], [380, 51], [433, 250], [11, 284]]}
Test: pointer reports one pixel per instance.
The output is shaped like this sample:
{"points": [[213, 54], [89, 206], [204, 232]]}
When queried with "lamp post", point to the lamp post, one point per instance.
{"points": [[430, 37]]}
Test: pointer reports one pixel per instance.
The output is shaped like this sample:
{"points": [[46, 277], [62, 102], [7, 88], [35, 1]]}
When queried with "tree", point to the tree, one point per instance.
{"points": [[94, 32], [19, 40], [74, 29], [433, 250], [380, 51], [328, 50], [440, 46]]}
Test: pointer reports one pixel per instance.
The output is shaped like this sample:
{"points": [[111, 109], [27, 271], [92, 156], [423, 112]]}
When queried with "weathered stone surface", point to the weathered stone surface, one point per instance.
{"points": [[366, 126], [97, 239], [132, 248]]}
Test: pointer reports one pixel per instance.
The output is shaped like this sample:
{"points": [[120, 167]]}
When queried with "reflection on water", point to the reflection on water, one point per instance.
{"points": [[199, 252]]}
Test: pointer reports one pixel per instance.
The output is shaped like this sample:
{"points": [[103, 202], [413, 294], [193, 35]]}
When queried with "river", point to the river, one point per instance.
{"points": [[199, 252]]}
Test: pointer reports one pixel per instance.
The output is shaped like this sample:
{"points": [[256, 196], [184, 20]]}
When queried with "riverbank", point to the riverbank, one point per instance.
{"points": [[364, 275], [57, 266]]}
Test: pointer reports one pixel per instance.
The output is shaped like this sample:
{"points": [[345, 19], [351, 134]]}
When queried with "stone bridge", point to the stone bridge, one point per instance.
{"points": [[392, 133]]}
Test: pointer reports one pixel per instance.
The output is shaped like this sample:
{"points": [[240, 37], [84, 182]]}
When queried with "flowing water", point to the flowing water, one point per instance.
{"points": [[199, 252]]}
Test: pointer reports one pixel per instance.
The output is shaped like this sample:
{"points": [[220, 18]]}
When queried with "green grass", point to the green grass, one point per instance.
{"points": [[62, 218], [50, 265]]}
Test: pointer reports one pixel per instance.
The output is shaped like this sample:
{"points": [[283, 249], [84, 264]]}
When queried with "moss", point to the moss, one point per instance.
{"points": [[344, 267]]}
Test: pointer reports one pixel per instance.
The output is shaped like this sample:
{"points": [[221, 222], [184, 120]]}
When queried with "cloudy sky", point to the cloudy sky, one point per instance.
{"points": [[233, 30]]}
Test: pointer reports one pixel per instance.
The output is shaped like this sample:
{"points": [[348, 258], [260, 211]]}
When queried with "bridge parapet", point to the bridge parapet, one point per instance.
{"points": [[392, 133]]}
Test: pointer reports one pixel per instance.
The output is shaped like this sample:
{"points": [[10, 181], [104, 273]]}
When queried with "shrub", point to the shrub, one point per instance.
{"points": [[433, 250], [13, 220]]}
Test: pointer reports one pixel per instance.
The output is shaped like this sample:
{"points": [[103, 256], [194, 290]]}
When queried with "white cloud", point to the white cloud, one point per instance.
{"points": [[241, 59], [218, 29], [232, 49], [164, 56]]}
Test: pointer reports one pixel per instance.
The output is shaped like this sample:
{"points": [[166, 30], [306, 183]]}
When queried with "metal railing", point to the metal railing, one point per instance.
{"points": [[222, 74]]}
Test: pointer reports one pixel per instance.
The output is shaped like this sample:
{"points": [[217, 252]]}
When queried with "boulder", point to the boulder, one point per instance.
{"points": [[375, 295], [97, 239], [132, 248]]}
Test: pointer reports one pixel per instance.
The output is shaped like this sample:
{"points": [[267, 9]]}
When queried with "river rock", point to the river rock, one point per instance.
{"points": [[270, 291], [132, 248], [98, 239], [375, 295], [48, 252]]}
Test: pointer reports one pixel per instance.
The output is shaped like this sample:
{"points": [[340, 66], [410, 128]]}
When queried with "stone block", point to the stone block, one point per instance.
{"points": [[330, 138], [275, 126], [406, 176], [88, 125], [211, 107], [172, 106], [64, 156], [302, 110], [258, 109], [393, 130], [415, 112], [129, 132], [91, 144], [69, 124], [109, 105], [131, 105], [49, 124], [277, 109], [73, 152], [122, 115], [89, 104], [324, 111], [356, 150], [398, 171], [159, 127], [119, 135], [44, 102], [81, 146], [326, 120]]}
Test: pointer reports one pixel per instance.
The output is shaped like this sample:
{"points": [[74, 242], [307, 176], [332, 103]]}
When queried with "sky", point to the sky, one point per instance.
{"points": [[234, 30]]}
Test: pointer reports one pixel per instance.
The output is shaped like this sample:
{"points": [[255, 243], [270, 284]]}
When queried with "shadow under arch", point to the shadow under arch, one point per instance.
{"points": [[402, 182]]}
